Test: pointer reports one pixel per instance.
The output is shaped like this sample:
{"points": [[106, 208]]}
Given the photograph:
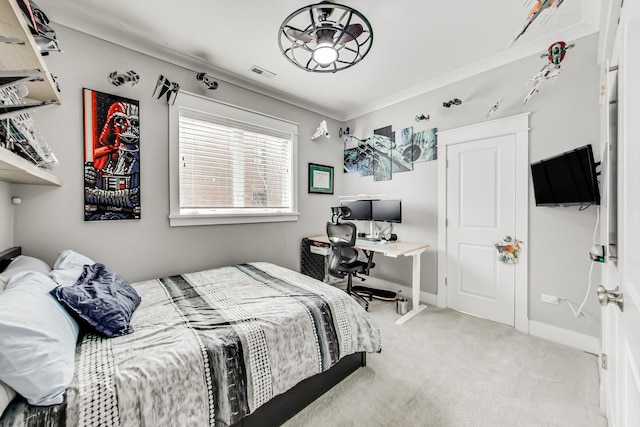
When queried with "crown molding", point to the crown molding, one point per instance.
{"points": [[119, 36], [513, 54], [92, 28]]}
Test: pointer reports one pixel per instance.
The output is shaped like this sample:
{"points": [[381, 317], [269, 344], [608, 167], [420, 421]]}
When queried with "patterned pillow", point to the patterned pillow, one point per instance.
{"points": [[102, 299]]}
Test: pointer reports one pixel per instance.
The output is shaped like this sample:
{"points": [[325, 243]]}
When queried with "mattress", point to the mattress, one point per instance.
{"points": [[208, 348]]}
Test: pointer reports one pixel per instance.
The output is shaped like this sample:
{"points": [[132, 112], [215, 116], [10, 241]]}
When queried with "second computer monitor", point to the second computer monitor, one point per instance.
{"points": [[386, 210], [360, 209]]}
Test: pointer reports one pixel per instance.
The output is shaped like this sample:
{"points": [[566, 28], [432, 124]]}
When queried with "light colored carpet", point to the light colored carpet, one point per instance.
{"points": [[445, 368]]}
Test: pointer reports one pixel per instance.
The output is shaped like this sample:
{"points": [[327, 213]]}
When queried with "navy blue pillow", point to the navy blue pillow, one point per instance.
{"points": [[100, 298]]}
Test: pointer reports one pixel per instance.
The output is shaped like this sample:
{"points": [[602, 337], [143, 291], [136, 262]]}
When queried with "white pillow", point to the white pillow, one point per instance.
{"points": [[22, 263], [6, 396], [68, 267], [37, 340]]}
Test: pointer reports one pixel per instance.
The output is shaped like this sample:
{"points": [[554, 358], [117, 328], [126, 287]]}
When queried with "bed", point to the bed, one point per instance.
{"points": [[243, 345]]}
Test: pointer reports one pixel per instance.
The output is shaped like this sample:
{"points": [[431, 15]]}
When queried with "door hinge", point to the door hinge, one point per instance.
{"points": [[446, 163], [445, 281], [603, 361], [446, 222]]}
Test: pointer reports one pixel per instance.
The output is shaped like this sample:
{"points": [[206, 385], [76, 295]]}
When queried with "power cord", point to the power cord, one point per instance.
{"points": [[578, 313], [575, 312]]}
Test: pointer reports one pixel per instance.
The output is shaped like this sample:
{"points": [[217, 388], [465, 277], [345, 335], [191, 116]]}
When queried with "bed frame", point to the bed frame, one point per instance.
{"points": [[284, 406], [7, 255]]}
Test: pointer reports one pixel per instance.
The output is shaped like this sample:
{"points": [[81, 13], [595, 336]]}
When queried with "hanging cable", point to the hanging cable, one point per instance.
{"points": [[578, 313]]}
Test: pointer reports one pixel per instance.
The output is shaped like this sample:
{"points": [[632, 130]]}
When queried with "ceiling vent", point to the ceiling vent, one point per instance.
{"points": [[262, 72]]}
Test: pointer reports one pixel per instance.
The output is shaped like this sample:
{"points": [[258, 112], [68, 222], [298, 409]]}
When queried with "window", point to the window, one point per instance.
{"points": [[229, 165]]}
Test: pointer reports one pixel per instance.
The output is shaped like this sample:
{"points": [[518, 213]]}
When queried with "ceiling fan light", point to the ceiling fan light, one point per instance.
{"points": [[325, 37], [325, 54]]}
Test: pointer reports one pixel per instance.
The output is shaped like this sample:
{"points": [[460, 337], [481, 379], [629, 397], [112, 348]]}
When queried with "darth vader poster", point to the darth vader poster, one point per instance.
{"points": [[111, 157]]}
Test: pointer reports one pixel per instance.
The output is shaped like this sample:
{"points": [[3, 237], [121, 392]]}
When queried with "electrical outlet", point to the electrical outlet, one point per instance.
{"points": [[549, 299]]}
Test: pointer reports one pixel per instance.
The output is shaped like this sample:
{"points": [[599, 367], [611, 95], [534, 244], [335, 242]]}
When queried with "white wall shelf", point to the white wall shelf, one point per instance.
{"points": [[14, 168], [26, 56], [19, 55]]}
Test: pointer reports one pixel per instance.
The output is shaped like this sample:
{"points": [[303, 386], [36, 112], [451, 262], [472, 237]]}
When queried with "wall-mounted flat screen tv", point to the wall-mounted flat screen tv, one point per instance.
{"points": [[568, 179]]}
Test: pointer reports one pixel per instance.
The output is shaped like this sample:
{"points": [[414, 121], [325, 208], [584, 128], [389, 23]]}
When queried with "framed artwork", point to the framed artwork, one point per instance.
{"points": [[382, 142], [365, 157], [425, 146], [111, 157], [402, 152], [320, 179], [351, 159]]}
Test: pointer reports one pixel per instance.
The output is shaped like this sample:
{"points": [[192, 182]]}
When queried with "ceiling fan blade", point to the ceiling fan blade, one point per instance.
{"points": [[301, 35], [352, 32]]}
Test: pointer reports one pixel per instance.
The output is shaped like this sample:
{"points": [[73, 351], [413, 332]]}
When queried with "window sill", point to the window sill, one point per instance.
{"points": [[192, 220]]}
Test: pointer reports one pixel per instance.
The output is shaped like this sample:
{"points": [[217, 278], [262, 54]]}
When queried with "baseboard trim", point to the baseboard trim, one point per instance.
{"points": [[558, 335], [564, 336]]}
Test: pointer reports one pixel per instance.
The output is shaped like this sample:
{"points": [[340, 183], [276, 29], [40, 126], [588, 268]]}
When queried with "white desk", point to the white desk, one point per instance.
{"points": [[394, 250]]}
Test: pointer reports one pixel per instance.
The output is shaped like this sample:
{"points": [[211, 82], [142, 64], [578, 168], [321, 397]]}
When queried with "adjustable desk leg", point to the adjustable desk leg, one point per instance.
{"points": [[415, 289]]}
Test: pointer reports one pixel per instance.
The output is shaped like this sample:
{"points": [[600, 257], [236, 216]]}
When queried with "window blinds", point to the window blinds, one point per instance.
{"points": [[227, 164]]}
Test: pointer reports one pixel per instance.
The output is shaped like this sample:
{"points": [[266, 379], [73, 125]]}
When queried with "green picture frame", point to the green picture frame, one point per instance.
{"points": [[320, 179]]}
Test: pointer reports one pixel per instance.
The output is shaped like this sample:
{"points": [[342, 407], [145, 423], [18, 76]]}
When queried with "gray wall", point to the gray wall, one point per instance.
{"points": [[564, 115], [6, 216], [51, 219]]}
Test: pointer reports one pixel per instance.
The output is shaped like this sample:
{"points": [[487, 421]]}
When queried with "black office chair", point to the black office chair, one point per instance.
{"points": [[344, 257]]}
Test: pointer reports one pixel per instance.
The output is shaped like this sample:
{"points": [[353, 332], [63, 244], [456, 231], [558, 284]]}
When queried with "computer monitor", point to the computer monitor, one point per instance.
{"points": [[360, 209], [386, 210]]}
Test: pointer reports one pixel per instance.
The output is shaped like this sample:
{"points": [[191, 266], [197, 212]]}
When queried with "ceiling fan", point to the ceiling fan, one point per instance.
{"points": [[349, 33], [325, 37]]}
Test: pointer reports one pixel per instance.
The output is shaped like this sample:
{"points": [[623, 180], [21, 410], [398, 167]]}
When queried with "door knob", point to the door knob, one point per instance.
{"points": [[605, 297]]}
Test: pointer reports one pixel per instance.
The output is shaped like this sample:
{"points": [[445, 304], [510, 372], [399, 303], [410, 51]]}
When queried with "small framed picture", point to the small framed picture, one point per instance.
{"points": [[320, 179]]}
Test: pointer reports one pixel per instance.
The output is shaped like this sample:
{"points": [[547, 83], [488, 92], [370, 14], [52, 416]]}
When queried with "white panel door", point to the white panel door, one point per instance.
{"points": [[621, 339], [609, 235], [480, 212]]}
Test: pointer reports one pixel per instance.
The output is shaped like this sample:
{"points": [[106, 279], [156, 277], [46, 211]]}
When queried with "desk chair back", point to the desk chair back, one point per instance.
{"points": [[344, 256], [342, 238]]}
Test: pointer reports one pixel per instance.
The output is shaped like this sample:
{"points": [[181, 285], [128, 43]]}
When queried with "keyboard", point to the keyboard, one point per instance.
{"points": [[367, 242]]}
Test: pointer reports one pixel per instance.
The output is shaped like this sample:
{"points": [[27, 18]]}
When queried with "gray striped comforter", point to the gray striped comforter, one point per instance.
{"points": [[209, 348]]}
